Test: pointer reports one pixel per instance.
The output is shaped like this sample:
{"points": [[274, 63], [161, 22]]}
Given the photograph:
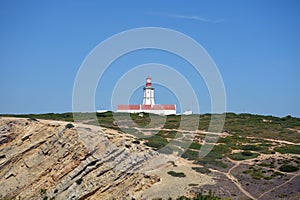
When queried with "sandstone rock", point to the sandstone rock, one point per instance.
{"points": [[39, 158]]}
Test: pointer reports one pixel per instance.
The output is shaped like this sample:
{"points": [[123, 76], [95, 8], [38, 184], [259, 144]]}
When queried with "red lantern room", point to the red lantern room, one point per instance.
{"points": [[148, 82]]}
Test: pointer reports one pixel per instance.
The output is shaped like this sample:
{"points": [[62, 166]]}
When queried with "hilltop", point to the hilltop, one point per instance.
{"points": [[255, 157]]}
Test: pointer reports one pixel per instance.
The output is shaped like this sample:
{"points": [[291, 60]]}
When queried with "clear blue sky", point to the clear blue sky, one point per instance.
{"points": [[255, 44]]}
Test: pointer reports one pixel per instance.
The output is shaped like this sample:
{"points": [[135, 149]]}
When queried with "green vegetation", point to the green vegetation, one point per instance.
{"points": [[259, 173], [191, 154], [156, 141], [288, 168], [79, 181], [51, 116], [214, 158], [202, 170], [244, 155], [263, 126], [262, 148], [43, 191], [172, 162], [176, 174], [238, 142], [247, 133], [293, 149], [200, 196], [296, 160], [263, 164], [237, 124], [69, 126], [195, 145]]}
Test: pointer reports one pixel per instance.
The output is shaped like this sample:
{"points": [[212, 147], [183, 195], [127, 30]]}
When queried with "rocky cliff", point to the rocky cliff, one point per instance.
{"points": [[42, 159]]}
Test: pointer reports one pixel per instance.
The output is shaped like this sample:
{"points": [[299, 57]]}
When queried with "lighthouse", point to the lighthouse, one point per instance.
{"points": [[148, 93], [148, 105]]}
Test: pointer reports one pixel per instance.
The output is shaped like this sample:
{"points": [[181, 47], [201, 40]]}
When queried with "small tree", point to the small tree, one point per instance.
{"points": [[69, 126]]}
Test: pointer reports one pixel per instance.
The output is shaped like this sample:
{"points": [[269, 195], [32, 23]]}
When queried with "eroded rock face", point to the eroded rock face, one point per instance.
{"points": [[40, 158]]}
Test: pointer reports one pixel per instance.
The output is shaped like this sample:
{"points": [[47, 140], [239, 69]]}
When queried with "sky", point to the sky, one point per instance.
{"points": [[254, 44]]}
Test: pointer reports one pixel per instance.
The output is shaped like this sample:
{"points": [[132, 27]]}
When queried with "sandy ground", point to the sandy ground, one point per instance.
{"points": [[170, 186]]}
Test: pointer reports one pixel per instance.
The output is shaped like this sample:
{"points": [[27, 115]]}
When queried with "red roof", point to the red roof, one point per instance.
{"points": [[128, 107], [147, 107]]}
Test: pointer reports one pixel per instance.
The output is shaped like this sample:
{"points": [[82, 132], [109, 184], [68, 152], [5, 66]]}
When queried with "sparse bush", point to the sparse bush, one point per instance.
{"points": [[244, 155], [259, 173], [202, 170], [43, 191], [172, 162], [263, 164], [293, 149], [79, 181], [176, 174], [195, 145], [288, 168], [191, 155], [247, 153], [209, 196], [156, 142], [69, 126]]}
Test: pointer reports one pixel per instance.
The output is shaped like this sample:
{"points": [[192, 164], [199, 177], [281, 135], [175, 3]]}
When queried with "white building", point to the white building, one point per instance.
{"points": [[149, 105]]}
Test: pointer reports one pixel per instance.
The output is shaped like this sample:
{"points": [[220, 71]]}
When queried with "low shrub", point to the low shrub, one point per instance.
{"points": [[293, 149], [244, 155], [288, 168], [69, 126], [79, 181], [176, 174], [202, 170]]}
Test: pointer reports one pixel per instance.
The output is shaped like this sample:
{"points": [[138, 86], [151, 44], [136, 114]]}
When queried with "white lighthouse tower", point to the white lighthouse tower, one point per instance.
{"points": [[148, 105], [148, 93]]}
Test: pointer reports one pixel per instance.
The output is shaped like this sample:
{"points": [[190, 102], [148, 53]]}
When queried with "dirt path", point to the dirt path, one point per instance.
{"points": [[274, 140], [235, 181], [278, 186], [180, 130]]}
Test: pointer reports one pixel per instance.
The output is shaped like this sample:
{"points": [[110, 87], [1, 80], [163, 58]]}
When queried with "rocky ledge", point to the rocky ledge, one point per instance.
{"points": [[42, 159]]}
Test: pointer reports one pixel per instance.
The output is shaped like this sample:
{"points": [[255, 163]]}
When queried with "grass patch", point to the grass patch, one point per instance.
{"points": [[202, 170], [264, 164], [293, 149], [244, 155], [252, 147], [259, 173], [51, 116], [156, 142], [288, 168], [209, 196], [191, 154], [176, 174], [214, 158], [195, 145], [236, 124]]}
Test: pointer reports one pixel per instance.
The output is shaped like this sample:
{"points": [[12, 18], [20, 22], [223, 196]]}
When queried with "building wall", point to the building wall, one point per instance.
{"points": [[148, 96], [158, 112]]}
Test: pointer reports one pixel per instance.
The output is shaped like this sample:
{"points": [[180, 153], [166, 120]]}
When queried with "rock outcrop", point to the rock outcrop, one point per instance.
{"points": [[42, 159]]}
